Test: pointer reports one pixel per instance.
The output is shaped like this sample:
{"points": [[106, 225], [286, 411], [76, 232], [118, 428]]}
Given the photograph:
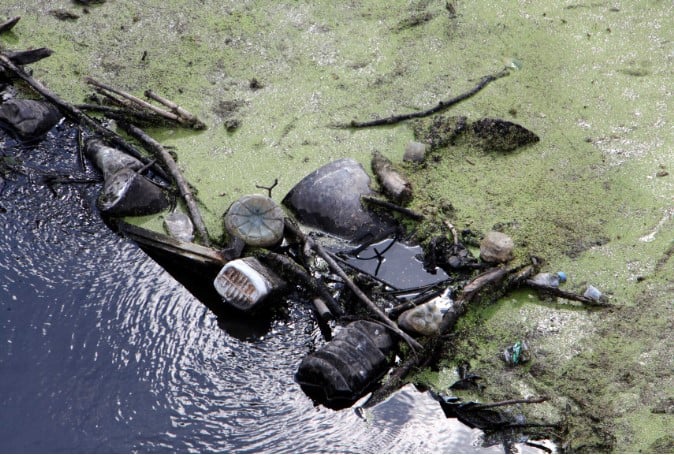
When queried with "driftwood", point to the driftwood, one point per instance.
{"points": [[335, 267], [28, 56], [176, 114], [165, 157], [441, 106], [394, 184]]}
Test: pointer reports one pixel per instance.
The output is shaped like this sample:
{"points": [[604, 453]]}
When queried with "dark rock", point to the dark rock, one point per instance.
{"points": [[28, 119], [501, 135], [329, 199]]}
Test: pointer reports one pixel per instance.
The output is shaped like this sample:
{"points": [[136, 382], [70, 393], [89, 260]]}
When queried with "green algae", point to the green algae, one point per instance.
{"points": [[592, 80]]}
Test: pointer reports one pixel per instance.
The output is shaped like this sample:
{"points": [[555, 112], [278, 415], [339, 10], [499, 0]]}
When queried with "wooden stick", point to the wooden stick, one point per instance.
{"points": [[162, 154], [188, 117], [134, 99], [355, 289], [554, 291], [441, 106], [394, 207], [73, 112], [508, 403]]}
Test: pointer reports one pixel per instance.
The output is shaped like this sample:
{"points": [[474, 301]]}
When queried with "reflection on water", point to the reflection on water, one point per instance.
{"points": [[103, 351]]}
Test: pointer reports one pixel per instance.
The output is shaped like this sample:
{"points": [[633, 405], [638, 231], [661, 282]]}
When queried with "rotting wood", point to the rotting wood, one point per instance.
{"points": [[177, 114], [183, 187], [318, 249], [441, 106], [394, 184]]}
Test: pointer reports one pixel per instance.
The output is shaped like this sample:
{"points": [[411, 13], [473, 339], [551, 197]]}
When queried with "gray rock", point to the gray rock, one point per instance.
{"points": [[329, 199], [415, 152], [496, 247], [29, 119]]}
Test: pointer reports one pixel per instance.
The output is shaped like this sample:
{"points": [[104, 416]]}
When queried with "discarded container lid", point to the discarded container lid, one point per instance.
{"points": [[127, 193], [256, 219], [244, 283]]}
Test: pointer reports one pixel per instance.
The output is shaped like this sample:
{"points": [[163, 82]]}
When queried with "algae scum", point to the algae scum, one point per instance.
{"points": [[595, 197]]}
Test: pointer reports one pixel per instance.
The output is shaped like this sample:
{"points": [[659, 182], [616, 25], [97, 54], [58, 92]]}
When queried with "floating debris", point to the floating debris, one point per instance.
{"points": [[109, 160], [415, 152], [127, 193], [28, 119], [255, 219], [501, 135], [396, 187], [245, 283], [426, 318], [552, 280], [517, 354], [179, 226], [496, 247]]}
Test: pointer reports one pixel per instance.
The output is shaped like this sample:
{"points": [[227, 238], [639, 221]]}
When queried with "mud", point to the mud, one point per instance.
{"points": [[592, 81]]}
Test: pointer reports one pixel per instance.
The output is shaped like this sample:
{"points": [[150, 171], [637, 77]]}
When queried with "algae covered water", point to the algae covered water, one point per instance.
{"points": [[103, 351], [271, 79]]}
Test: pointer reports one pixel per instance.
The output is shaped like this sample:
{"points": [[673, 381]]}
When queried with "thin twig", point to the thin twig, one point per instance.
{"points": [[188, 117], [508, 403], [394, 207], [441, 106], [452, 229], [162, 154]]}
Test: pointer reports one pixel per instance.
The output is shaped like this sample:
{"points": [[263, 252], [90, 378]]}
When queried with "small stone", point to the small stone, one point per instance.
{"points": [[415, 152], [496, 247]]}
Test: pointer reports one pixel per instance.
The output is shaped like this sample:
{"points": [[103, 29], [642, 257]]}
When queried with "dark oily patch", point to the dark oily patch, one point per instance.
{"points": [[439, 131], [501, 135], [29, 119], [329, 199], [396, 264]]}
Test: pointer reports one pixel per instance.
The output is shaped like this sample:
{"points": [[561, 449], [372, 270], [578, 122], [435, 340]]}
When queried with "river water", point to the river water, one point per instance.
{"points": [[101, 350]]}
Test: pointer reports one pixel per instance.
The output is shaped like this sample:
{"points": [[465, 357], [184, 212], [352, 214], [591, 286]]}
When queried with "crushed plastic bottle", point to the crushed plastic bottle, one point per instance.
{"points": [[552, 280], [595, 294], [517, 354]]}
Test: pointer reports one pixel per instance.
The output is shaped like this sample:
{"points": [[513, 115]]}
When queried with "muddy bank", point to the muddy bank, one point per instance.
{"points": [[593, 196]]}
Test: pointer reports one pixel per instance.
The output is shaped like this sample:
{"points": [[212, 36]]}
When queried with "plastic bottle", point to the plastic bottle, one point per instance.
{"points": [[552, 280]]}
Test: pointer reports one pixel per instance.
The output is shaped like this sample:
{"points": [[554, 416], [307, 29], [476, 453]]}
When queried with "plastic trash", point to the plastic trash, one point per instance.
{"points": [[552, 280], [244, 283], [342, 370], [595, 294], [517, 354]]}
